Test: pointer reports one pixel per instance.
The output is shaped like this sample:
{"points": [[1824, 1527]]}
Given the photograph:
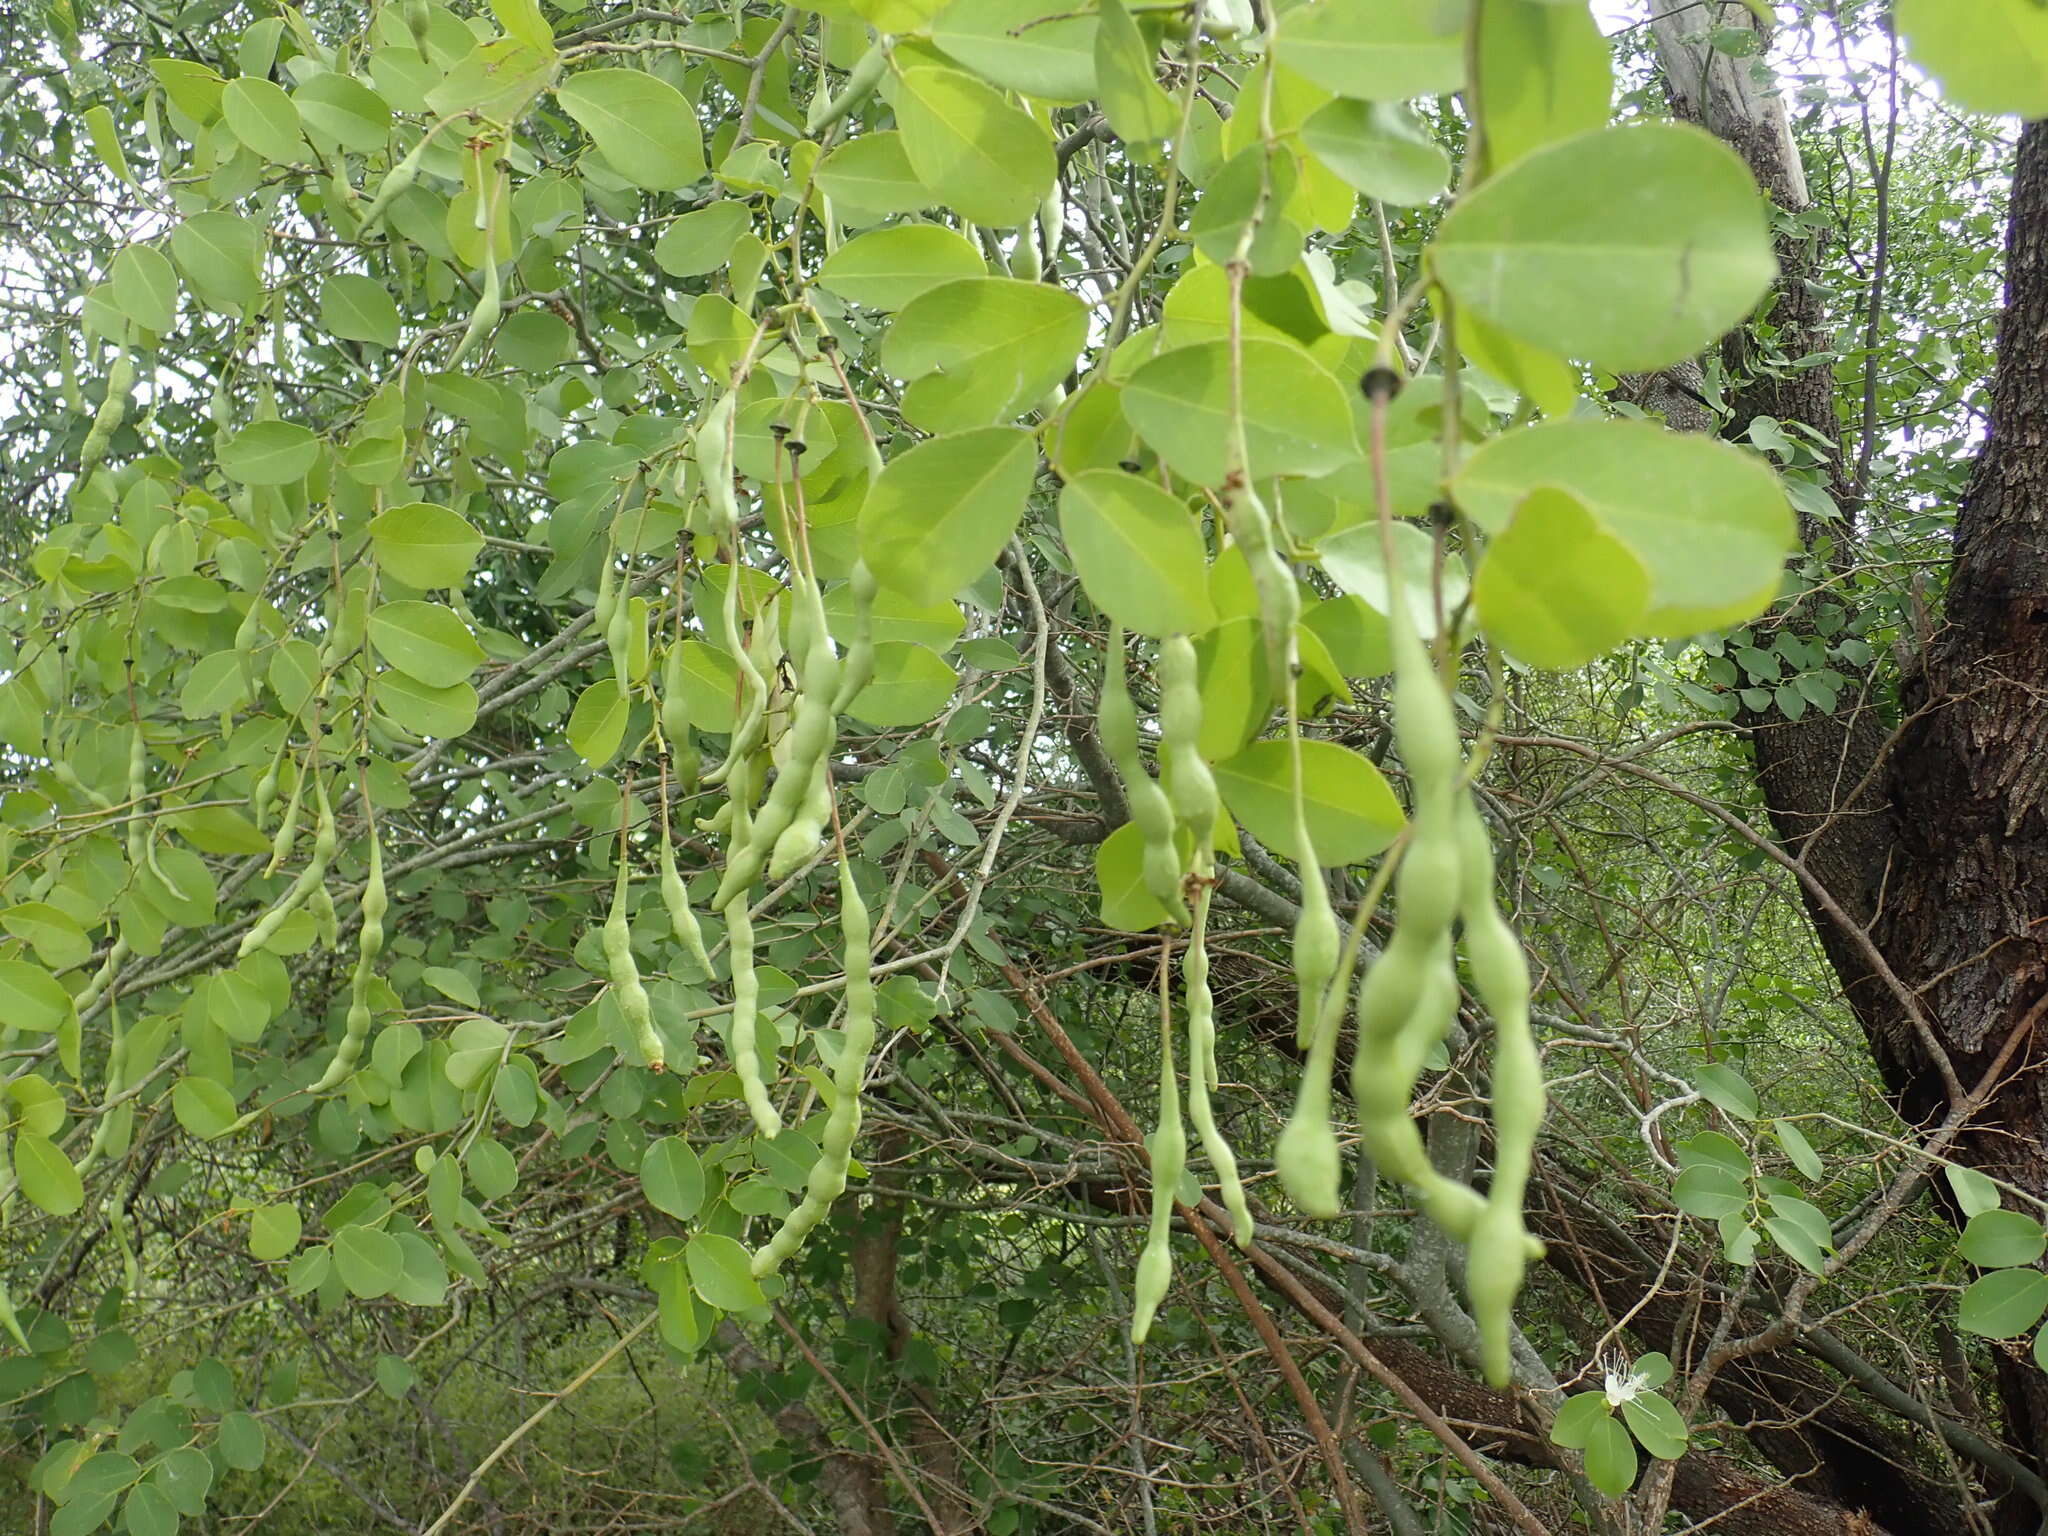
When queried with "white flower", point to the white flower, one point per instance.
{"points": [[1624, 1385]]}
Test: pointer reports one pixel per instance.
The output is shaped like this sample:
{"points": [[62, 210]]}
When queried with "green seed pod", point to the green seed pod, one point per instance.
{"points": [[799, 841], [369, 945], [618, 638], [606, 607], [675, 707], [713, 447], [396, 183], [861, 81], [1151, 813], [809, 743], [107, 419], [857, 667], [1202, 1077], [1500, 1246], [346, 638], [325, 840], [630, 993], [1495, 1263], [287, 829], [1169, 1153], [490, 304], [828, 1175], [1306, 1156], [1251, 526], [1316, 947], [264, 795], [681, 919], [140, 849], [1196, 804], [326, 921], [96, 987], [746, 1015]]}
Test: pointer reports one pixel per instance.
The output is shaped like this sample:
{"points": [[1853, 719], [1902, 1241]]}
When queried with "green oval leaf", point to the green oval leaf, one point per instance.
{"points": [[370, 1261], [1611, 1460], [1726, 1089], [2002, 1240], [721, 1274], [426, 641], [262, 116], [1380, 50], [985, 158], [1632, 248], [1352, 813], [339, 110], [1709, 1191], [1708, 521], [32, 999], [1297, 420], [423, 710], [909, 686], [702, 241], [46, 1175], [1798, 1148], [1974, 1192], [1656, 1425], [1040, 47], [938, 515], [1577, 1417], [219, 252], [274, 1231], [1380, 148], [204, 1107], [598, 722], [982, 349], [644, 126], [146, 287], [1555, 589], [673, 1178], [359, 308], [887, 268], [1138, 551], [871, 177], [2005, 1303], [270, 453], [425, 545], [1989, 55], [54, 934]]}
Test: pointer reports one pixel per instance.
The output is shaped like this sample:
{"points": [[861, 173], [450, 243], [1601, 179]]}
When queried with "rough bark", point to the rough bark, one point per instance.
{"points": [[1963, 920]]}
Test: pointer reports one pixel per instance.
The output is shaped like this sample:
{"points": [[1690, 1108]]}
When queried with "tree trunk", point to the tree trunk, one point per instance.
{"points": [[1963, 920], [1934, 852]]}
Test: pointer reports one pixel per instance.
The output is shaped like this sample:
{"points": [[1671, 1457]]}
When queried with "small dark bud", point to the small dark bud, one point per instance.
{"points": [[1379, 383]]}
